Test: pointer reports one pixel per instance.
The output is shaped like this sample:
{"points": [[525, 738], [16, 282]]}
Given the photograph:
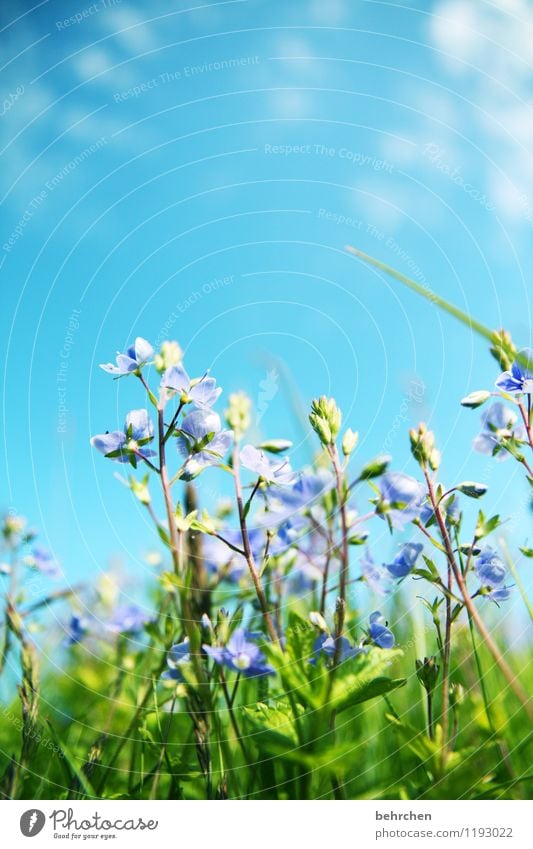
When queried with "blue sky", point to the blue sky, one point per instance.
{"points": [[196, 174]]}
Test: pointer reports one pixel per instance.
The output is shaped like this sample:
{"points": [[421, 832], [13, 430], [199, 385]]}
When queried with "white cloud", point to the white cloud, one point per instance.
{"points": [[489, 45]]}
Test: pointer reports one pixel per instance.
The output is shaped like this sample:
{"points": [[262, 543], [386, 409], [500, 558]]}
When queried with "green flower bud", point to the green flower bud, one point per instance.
{"points": [[475, 399], [237, 414], [503, 350], [423, 444], [275, 446], [222, 626], [184, 522], [457, 695], [325, 418], [472, 489], [169, 355], [434, 459], [13, 527], [318, 621], [338, 618], [427, 672], [349, 441], [321, 428]]}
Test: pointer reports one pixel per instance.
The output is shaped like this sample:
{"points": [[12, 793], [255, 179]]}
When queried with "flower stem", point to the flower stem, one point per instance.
{"points": [[165, 485], [505, 669], [430, 714], [233, 719], [448, 621], [334, 454], [526, 418], [248, 551]]}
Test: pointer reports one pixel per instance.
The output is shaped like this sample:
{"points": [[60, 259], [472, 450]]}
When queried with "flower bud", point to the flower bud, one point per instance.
{"points": [[434, 459], [503, 350], [222, 627], [206, 623], [321, 428], [475, 399], [349, 441], [427, 673], [237, 414], [169, 355], [318, 621], [472, 489], [275, 446], [338, 618], [184, 522], [422, 444], [13, 525], [325, 419], [457, 695]]}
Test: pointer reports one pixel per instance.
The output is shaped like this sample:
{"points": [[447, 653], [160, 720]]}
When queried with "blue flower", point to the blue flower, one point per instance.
{"points": [[134, 359], [498, 424], [76, 629], [326, 644], [402, 498], [272, 471], [177, 657], [378, 632], [124, 446], [241, 654], [128, 619], [499, 594], [490, 568], [308, 487], [492, 573], [520, 378], [378, 578], [202, 393], [405, 560], [203, 438], [44, 561]]}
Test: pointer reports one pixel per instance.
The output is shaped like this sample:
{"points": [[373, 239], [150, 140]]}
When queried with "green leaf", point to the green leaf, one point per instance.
{"points": [[163, 534], [363, 678], [486, 526], [431, 567], [375, 468]]}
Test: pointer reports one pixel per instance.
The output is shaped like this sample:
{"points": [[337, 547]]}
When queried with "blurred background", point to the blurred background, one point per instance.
{"points": [[194, 172]]}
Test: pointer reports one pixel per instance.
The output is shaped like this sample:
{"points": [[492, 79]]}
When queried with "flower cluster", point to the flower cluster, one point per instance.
{"points": [[289, 538]]}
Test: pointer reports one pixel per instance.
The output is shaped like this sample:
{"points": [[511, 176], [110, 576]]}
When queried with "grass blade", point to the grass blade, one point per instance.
{"points": [[427, 293]]}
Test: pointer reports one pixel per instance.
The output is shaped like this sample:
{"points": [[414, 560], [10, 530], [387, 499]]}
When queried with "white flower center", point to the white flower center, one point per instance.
{"points": [[242, 661]]}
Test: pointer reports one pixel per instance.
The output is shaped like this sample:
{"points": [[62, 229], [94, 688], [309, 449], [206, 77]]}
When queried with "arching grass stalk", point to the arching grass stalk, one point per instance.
{"points": [[514, 572]]}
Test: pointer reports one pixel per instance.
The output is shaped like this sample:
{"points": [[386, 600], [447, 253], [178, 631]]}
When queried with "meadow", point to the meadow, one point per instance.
{"points": [[254, 671]]}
